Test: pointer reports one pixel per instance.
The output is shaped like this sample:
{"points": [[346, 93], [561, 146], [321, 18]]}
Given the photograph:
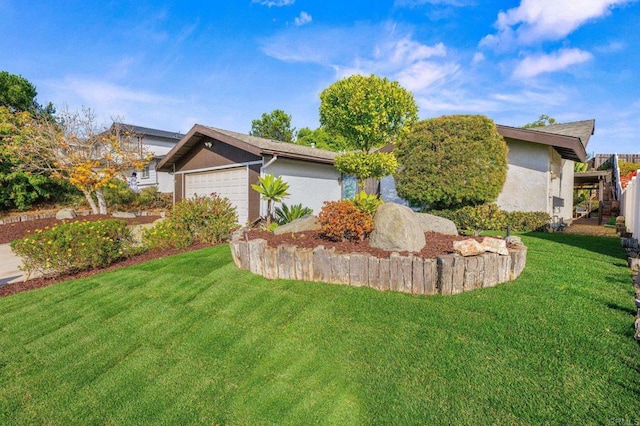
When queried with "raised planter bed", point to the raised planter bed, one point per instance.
{"points": [[446, 274]]}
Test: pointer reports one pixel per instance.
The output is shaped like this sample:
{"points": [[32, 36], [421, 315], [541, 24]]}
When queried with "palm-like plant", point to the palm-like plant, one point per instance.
{"points": [[273, 190]]}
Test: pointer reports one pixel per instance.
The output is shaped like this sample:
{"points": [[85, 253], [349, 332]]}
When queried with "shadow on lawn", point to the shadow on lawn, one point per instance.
{"points": [[607, 246]]}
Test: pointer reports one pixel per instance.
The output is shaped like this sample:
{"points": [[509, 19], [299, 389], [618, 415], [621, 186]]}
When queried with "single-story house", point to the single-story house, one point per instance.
{"points": [[540, 168], [208, 160], [158, 143]]}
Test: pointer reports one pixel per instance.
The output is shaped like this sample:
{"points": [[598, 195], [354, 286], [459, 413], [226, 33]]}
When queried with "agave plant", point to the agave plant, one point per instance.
{"points": [[286, 214]]}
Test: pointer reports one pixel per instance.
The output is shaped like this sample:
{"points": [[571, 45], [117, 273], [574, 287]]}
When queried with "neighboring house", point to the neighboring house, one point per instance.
{"points": [[209, 160], [158, 143], [540, 168]]}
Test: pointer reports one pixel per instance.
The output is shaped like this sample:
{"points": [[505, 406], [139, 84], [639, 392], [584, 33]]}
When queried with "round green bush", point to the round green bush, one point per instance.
{"points": [[451, 161]]}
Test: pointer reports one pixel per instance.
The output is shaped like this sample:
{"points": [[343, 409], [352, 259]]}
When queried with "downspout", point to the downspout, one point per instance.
{"points": [[270, 162], [173, 166], [273, 159]]}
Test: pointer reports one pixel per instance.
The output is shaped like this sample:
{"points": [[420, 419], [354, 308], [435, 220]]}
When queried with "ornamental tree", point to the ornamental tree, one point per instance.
{"points": [[452, 161], [369, 112], [76, 149], [365, 165]]}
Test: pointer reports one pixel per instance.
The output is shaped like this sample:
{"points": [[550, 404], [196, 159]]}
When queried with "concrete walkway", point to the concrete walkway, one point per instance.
{"points": [[9, 263]]}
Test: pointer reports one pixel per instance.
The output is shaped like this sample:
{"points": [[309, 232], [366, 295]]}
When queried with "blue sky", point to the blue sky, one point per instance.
{"points": [[171, 64]]}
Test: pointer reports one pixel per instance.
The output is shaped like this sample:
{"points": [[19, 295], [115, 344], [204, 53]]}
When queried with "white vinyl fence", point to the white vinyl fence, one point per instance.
{"points": [[630, 206]]}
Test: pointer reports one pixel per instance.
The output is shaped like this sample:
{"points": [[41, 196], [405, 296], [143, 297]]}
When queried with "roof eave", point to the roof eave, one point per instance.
{"points": [[569, 147]]}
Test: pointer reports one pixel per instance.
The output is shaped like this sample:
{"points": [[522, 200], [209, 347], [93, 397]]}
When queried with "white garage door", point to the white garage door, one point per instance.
{"points": [[230, 183]]}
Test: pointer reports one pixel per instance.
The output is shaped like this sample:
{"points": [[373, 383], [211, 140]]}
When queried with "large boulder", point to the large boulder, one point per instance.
{"points": [[65, 214], [303, 224], [441, 225], [396, 228]]}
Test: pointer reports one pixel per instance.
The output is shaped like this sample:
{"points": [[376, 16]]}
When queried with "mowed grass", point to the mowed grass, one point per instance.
{"points": [[192, 340]]}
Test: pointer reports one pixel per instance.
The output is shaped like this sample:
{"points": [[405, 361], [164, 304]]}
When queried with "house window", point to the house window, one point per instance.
{"points": [[145, 172]]}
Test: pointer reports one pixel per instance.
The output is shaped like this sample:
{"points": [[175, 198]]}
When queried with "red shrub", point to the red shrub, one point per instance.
{"points": [[341, 221]]}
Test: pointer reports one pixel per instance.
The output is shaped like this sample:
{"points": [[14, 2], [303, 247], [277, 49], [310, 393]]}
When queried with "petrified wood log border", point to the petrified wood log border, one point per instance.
{"points": [[447, 274]]}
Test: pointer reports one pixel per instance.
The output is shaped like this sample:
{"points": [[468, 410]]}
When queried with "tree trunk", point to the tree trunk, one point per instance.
{"points": [[101, 201], [91, 201], [269, 202]]}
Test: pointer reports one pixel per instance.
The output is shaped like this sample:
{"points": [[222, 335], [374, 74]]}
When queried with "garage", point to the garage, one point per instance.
{"points": [[230, 183]]}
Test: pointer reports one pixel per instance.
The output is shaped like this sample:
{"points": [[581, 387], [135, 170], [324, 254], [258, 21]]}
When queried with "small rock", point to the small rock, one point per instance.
{"points": [[469, 247], [239, 234], [432, 223], [512, 239], [304, 224], [396, 228], [65, 214], [123, 215], [495, 245]]}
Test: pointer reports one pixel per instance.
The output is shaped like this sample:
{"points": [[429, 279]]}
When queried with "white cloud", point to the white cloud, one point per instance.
{"points": [[611, 47], [540, 20], [109, 100], [302, 19], [478, 57], [276, 3], [531, 66], [382, 49]]}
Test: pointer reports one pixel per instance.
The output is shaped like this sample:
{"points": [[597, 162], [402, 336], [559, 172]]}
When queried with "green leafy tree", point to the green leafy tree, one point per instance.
{"points": [[323, 139], [273, 190], [18, 107], [543, 121], [368, 112], [275, 125], [452, 161]]}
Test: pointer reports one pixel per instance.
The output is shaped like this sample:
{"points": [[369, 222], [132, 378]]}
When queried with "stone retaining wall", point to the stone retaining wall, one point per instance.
{"points": [[448, 274]]}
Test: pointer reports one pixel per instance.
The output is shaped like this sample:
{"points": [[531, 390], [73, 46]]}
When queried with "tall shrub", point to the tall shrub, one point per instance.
{"points": [[451, 161], [208, 219]]}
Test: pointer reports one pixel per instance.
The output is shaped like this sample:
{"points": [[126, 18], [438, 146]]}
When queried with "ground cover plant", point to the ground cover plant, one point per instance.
{"points": [[192, 340]]}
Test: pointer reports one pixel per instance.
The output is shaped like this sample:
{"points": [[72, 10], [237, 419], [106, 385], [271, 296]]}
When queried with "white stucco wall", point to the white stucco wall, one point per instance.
{"points": [[527, 183], [310, 184]]}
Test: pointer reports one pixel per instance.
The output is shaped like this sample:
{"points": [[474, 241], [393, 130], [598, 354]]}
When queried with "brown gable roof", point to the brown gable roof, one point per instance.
{"points": [[252, 144]]}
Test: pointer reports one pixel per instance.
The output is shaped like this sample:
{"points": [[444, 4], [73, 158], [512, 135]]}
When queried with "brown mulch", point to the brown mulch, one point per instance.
{"points": [[437, 244]]}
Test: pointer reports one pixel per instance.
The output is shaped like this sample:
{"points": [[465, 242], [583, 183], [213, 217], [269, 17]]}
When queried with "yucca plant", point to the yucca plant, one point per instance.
{"points": [[286, 214], [273, 190]]}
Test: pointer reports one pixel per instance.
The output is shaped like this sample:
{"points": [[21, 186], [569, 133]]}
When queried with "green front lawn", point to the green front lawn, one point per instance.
{"points": [[191, 339]]}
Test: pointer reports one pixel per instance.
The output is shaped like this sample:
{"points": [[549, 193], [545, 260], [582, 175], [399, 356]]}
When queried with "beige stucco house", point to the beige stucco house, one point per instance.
{"points": [[540, 168], [541, 164]]}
